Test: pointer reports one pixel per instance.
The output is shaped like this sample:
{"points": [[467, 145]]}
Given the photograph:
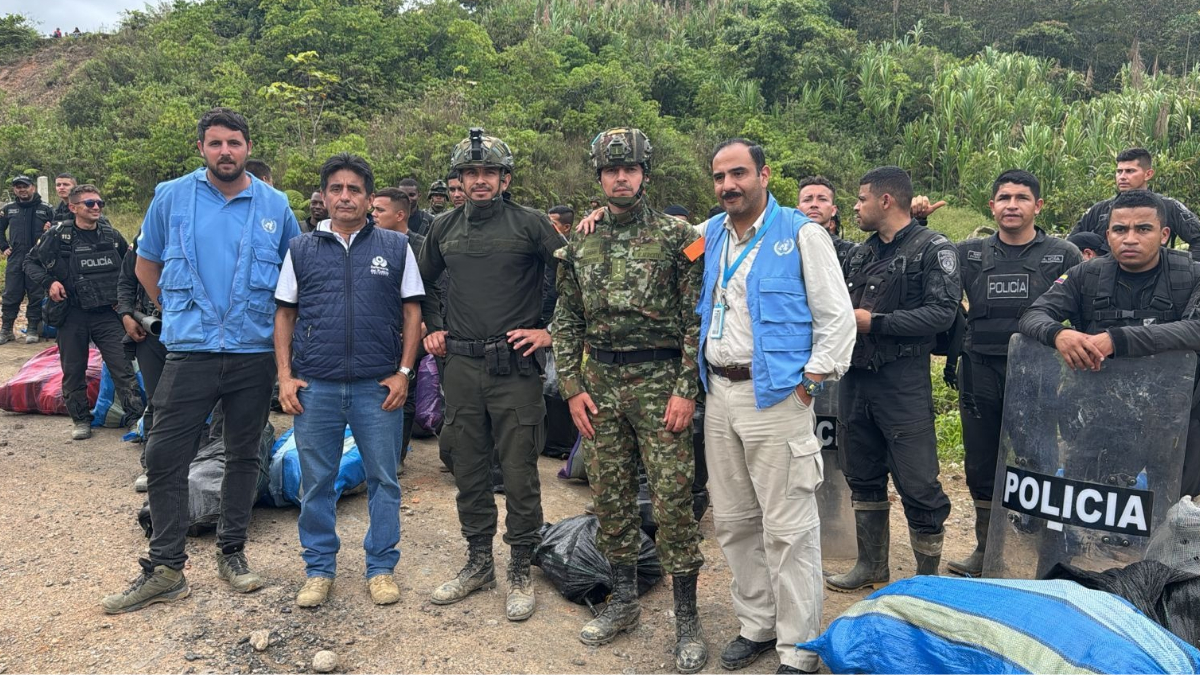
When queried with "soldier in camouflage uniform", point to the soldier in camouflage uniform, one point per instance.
{"points": [[439, 197], [629, 291]]}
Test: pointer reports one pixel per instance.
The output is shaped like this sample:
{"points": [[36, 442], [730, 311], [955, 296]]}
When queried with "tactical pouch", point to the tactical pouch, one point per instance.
{"points": [[497, 358], [526, 365], [54, 313]]}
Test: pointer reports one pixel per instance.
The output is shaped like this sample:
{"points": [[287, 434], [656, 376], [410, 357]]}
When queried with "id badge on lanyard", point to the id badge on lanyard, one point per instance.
{"points": [[717, 328]]}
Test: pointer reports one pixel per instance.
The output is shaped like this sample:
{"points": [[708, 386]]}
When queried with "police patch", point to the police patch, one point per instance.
{"points": [[1052, 258], [974, 255], [948, 260], [785, 247], [1008, 287]]}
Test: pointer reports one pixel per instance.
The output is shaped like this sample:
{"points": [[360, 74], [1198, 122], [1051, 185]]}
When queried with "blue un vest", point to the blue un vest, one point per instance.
{"points": [[781, 321], [350, 308]]}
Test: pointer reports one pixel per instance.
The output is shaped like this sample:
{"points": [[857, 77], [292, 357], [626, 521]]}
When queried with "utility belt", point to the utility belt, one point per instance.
{"points": [[873, 355], [731, 373], [498, 356], [632, 357]]}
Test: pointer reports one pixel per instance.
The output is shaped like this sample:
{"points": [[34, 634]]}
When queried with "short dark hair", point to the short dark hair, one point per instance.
{"points": [[410, 182], [756, 152], [816, 180], [453, 175], [564, 212], [223, 117], [716, 211], [1018, 177], [259, 168], [890, 180], [80, 190], [1139, 155], [398, 197], [349, 162], [1133, 199], [67, 176]]}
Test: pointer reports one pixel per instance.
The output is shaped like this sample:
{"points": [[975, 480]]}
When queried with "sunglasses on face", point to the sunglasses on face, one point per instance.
{"points": [[92, 203]]}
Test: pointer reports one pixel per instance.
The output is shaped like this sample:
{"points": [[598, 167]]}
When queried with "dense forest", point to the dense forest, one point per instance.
{"points": [[953, 90]]}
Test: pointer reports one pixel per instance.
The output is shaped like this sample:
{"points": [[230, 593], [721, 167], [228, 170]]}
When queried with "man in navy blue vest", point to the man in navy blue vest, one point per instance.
{"points": [[208, 256], [344, 292], [775, 323]]}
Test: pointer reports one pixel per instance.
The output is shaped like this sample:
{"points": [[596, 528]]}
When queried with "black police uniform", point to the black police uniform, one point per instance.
{"points": [[911, 286], [21, 224], [62, 211], [1144, 313], [842, 247], [1182, 222], [1001, 282], [88, 264], [151, 354]]}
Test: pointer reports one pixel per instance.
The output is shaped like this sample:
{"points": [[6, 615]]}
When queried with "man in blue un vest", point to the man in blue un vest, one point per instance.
{"points": [[776, 322], [208, 256]]}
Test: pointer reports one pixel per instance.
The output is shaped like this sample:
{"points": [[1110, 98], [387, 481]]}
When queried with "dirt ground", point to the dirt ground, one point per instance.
{"points": [[70, 536]]}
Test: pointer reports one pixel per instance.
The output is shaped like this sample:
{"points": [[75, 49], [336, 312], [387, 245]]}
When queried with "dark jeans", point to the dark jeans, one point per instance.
{"points": [[16, 286], [151, 357], [888, 428], [192, 383], [103, 327]]}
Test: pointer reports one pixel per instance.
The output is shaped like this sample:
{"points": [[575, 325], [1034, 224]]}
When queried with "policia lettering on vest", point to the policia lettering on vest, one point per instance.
{"points": [[1140, 300], [78, 262], [1001, 275]]}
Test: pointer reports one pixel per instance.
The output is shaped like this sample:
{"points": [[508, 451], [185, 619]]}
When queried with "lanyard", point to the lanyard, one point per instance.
{"points": [[730, 269]]}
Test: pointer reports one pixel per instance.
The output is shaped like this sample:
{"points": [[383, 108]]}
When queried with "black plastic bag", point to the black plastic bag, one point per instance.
{"points": [[569, 558], [1169, 596]]}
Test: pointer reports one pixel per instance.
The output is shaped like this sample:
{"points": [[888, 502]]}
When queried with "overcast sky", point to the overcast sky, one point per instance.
{"points": [[89, 15]]}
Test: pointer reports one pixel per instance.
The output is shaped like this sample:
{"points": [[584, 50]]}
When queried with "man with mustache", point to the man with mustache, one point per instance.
{"points": [[209, 255], [21, 224]]}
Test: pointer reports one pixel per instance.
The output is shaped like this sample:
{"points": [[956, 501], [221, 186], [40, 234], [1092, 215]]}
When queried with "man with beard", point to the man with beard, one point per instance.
{"points": [[316, 213], [208, 256], [21, 224]]}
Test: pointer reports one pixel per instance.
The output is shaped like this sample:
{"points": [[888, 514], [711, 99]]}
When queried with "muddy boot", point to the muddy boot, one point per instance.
{"points": [[927, 549], [479, 572], [33, 333], [521, 602], [691, 653], [973, 565], [6, 332], [622, 612], [81, 430], [872, 532]]}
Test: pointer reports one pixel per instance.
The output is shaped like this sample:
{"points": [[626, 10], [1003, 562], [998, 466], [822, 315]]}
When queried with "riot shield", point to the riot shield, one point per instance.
{"points": [[833, 497], [1089, 461]]}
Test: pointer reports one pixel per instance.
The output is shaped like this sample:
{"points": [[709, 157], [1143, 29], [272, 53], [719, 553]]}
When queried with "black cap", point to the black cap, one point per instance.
{"points": [[22, 180], [676, 210], [1090, 240]]}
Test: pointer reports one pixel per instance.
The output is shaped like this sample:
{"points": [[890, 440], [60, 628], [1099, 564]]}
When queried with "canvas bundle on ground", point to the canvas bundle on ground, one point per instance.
{"points": [[204, 484], [930, 624], [286, 487], [108, 411], [570, 560], [430, 404], [37, 386]]}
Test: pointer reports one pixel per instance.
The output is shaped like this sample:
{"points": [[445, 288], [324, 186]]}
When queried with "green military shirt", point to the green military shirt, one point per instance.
{"points": [[496, 259], [629, 286]]}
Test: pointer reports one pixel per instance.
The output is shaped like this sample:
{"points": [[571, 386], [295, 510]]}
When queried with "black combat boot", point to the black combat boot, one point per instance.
{"points": [[521, 602], [6, 332], [973, 565], [871, 529], [479, 572], [33, 334], [621, 613], [691, 653], [927, 549]]}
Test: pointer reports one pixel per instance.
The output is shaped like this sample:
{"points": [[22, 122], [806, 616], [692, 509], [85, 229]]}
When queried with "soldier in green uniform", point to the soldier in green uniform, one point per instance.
{"points": [[629, 292], [439, 197], [495, 253]]}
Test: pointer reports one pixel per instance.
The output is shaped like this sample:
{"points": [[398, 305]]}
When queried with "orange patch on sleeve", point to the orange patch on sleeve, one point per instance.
{"points": [[694, 249]]}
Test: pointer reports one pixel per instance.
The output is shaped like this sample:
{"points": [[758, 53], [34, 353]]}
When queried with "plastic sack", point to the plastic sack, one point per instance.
{"points": [[1176, 542], [286, 487], [930, 624], [108, 412], [430, 404], [205, 475], [570, 560], [37, 386]]}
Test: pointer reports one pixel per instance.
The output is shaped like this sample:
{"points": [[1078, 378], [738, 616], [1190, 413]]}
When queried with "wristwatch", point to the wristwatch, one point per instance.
{"points": [[812, 387], [408, 372]]}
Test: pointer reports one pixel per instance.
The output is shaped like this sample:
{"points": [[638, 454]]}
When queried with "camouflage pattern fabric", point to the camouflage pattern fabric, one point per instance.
{"points": [[491, 152]]}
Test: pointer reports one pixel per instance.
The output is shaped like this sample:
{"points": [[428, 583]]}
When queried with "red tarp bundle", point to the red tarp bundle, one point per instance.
{"points": [[37, 387]]}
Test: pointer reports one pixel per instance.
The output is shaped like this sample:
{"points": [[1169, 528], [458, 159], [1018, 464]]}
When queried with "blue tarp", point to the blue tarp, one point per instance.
{"points": [[285, 484]]}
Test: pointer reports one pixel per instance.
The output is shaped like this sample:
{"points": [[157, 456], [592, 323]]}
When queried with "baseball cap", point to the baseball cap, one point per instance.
{"points": [[676, 210], [1090, 240], [22, 180]]}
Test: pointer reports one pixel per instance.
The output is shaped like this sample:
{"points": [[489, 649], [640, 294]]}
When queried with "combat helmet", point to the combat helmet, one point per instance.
{"points": [[439, 187], [621, 146], [480, 150]]}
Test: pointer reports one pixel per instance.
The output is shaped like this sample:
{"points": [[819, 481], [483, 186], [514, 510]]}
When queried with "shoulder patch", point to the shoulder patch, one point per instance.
{"points": [[948, 260], [939, 239], [975, 255], [694, 250], [1052, 258], [1061, 279]]}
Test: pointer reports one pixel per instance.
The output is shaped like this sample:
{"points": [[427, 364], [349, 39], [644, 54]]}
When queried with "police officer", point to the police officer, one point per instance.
{"points": [[816, 201], [1140, 300], [418, 220], [1001, 275], [21, 223], [1135, 168], [63, 183], [495, 252], [439, 197], [78, 263], [905, 287], [629, 292]]}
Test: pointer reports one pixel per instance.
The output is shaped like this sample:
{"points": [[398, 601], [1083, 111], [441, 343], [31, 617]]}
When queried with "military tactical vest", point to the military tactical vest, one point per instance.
{"points": [[94, 268], [1003, 289], [1171, 293]]}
